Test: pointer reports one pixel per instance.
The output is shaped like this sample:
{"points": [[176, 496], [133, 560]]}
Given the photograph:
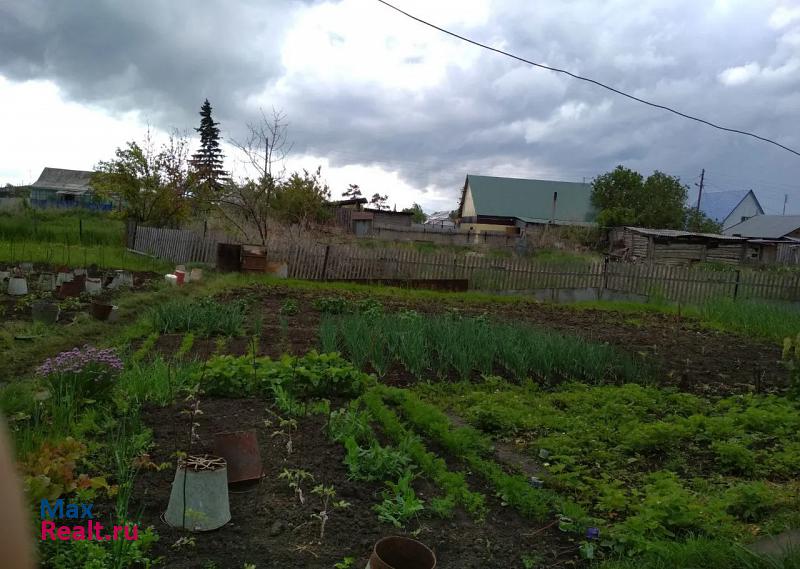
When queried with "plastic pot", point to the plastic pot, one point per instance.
{"points": [[196, 275], [4, 276], [171, 279], [100, 310], [240, 450], [47, 281], [180, 277], [397, 552], [94, 285], [199, 497], [46, 312], [17, 286]]}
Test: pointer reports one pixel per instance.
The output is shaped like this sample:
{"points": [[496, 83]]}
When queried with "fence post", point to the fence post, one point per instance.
{"points": [[325, 262], [736, 284], [605, 275]]}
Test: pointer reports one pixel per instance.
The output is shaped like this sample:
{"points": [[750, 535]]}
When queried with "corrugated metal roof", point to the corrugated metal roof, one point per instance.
{"points": [[74, 181], [678, 233], [439, 217], [531, 199], [719, 205], [768, 226]]}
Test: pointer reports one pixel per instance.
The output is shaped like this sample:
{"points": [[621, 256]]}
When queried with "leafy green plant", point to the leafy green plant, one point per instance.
{"points": [[400, 502], [374, 462], [290, 307]]}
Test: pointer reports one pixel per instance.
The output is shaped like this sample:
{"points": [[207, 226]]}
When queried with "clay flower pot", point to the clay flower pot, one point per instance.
{"points": [[397, 552], [199, 497]]}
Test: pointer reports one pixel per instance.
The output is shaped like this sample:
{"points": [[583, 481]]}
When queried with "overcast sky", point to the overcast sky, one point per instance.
{"points": [[381, 101]]}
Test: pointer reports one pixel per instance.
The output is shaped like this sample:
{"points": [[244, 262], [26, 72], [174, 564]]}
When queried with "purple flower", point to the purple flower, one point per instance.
{"points": [[592, 533]]}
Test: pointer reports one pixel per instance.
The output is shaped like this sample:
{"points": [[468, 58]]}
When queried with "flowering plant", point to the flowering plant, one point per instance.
{"points": [[87, 372]]}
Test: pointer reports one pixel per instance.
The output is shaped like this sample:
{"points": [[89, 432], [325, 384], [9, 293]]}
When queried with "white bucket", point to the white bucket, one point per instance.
{"points": [[62, 278], [17, 286], [171, 279], [93, 285]]}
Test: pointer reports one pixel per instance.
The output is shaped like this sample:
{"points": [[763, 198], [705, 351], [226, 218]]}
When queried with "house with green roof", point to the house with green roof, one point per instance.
{"points": [[490, 203]]}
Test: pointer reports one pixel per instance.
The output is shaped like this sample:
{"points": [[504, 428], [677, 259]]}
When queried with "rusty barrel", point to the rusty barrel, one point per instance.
{"points": [[240, 450]]}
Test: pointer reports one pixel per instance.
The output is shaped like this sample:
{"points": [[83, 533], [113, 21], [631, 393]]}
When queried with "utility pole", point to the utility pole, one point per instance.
{"points": [[785, 199], [700, 193]]}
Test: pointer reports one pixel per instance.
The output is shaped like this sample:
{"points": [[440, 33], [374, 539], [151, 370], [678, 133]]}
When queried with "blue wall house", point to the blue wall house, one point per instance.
{"points": [[61, 188]]}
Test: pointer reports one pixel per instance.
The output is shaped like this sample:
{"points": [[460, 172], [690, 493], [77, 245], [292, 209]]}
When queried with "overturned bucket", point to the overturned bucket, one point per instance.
{"points": [[199, 497], [397, 552], [240, 450]]}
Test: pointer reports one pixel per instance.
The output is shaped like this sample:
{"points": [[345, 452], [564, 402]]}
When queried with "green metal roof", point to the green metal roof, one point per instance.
{"points": [[531, 199]]}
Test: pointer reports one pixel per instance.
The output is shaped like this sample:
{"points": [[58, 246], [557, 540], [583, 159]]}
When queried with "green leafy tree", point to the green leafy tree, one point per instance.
{"points": [[152, 183], [624, 197], [302, 199], [419, 215], [209, 159], [699, 222]]}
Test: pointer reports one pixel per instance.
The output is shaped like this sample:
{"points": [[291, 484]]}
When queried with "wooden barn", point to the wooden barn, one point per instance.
{"points": [[673, 247]]}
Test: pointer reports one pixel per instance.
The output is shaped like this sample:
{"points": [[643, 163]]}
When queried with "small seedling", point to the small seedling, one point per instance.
{"points": [[326, 494], [295, 478], [287, 426], [346, 563], [289, 307], [184, 542]]}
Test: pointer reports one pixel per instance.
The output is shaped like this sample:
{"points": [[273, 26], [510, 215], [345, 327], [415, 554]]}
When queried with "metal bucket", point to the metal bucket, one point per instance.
{"points": [[46, 312], [203, 482], [94, 285], [397, 552], [17, 286], [101, 310], [241, 452], [47, 281]]}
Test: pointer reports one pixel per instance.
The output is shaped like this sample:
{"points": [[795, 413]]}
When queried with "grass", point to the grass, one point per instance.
{"points": [[72, 255], [759, 319], [444, 344], [62, 227]]}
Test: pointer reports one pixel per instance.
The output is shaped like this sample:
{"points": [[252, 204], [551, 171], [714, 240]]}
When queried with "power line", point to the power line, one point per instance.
{"points": [[588, 80]]}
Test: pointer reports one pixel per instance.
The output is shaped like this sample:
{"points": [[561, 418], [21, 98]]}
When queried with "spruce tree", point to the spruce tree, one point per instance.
{"points": [[208, 160]]}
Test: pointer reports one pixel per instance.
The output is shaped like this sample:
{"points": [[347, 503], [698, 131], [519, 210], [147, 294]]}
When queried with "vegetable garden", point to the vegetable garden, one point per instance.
{"points": [[498, 432]]}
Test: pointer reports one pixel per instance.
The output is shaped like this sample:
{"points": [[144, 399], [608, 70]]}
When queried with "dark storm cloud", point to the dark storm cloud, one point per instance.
{"points": [[159, 57], [737, 65]]}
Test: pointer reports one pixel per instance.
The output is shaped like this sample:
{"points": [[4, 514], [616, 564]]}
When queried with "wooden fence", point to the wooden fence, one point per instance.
{"points": [[319, 261]]}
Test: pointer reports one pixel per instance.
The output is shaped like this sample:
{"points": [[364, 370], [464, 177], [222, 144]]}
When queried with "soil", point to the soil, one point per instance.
{"points": [[683, 354], [271, 529]]}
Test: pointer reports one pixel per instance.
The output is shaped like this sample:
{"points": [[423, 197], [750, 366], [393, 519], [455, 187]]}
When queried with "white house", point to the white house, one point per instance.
{"points": [[730, 207]]}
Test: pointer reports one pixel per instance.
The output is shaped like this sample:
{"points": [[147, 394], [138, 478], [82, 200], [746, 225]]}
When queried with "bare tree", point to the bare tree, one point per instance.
{"points": [[265, 149]]}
